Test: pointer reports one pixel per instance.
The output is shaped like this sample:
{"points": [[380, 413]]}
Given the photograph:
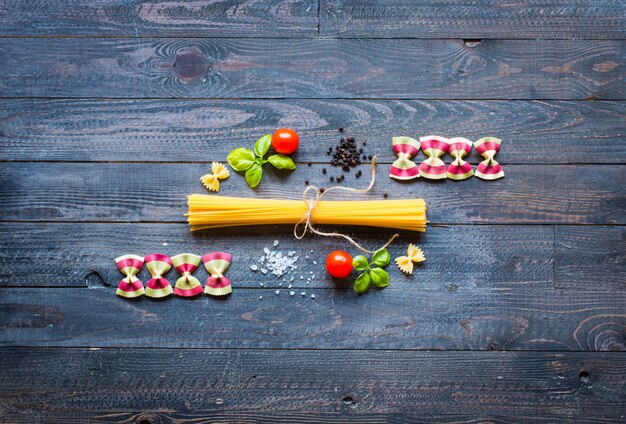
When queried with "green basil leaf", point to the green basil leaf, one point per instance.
{"points": [[254, 174], [281, 162], [240, 159], [359, 263], [381, 258], [362, 283], [379, 277], [262, 145]]}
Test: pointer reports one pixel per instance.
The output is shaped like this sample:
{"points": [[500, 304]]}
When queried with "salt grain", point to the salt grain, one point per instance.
{"points": [[260, 297], [312, 296], [275, 242], [303, 294], [291, 293], [277, 292], [254, 267]]}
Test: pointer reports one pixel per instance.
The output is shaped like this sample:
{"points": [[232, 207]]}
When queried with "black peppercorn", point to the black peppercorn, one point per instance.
{"points": [[385, 195]]}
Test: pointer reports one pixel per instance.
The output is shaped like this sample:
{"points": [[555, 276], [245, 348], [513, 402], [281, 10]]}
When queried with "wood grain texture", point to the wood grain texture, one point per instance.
{"points": [[320, 68], [188, 386], [473, 19], [132, 192], [534, 132], [591, 258], [166, 18], [394, 318], [81, 255]]}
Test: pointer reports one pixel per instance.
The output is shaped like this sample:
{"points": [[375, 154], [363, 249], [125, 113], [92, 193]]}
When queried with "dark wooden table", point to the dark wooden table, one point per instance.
{"points": [[111, 110]]}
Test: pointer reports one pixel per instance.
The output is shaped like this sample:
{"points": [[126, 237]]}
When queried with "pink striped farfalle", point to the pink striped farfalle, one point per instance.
{"points": [[404, 168], [459, 169], [216, 264], [187, 285], [130, 286], [434, 147], [488, 169]]}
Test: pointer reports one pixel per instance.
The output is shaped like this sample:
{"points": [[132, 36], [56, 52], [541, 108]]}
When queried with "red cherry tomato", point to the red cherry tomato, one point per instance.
{"points": [[285, 141], [339, 264]]}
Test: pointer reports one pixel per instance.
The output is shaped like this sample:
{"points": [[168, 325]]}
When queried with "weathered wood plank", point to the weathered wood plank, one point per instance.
{"points": [[318, 68], [190, 385], [43, 254], [186, 131], [591, 258], [393, 318], [166, 18], [473, 19], [130, 192]]}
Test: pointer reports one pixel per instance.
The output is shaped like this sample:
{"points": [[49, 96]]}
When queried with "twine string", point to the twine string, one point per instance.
{"points": [[312, 204]]}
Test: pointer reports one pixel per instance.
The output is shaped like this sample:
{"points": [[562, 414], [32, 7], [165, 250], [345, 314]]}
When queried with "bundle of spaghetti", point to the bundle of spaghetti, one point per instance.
{"points": [[206, 211]]}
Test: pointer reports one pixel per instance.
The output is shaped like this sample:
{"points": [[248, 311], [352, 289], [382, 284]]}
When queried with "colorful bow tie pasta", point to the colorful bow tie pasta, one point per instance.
{"points": [[404, 168], [158, 286], [488, 169], [130, 286], [212, 181], [458, 149], [434, 147], [187, 285], [217, 263]]}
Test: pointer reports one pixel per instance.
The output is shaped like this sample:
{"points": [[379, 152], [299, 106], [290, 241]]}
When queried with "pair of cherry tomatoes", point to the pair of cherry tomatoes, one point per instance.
{"points": [[285, 141]]}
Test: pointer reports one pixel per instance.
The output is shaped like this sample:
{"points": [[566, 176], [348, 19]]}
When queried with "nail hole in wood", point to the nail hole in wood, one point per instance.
{"points": [[471, 42], [350, 401], [584, 376]]}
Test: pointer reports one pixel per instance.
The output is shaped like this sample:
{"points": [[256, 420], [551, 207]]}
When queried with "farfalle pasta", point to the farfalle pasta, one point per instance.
{"points": [[212, 181], [158, 265], [187, 285], [413, 255], [459, 169], [434, 147], [404, 168], [488, 169], [130, 286], [216, 264]]}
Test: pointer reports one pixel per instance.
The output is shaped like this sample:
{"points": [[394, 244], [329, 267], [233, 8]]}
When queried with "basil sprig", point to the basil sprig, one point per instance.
{"points": [[251, 162], [373, 271]]}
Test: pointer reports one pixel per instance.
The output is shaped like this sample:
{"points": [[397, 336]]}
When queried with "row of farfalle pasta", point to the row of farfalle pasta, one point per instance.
{"points": [[187, 285], [434, 168]]}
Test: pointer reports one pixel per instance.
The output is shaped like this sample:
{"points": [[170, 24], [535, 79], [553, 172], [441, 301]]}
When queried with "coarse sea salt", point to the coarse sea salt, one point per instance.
{"points": [[276, 262]]}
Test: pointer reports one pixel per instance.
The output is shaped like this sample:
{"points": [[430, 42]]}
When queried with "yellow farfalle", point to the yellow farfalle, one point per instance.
{"points": [[413, 254], [212, 181]]}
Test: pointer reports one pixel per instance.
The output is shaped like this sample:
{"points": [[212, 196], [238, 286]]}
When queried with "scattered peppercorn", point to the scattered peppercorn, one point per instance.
{"points": [[321, 190], [332, 179], [306, 182], [385, 195], [346, 154], [309, 164]]}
